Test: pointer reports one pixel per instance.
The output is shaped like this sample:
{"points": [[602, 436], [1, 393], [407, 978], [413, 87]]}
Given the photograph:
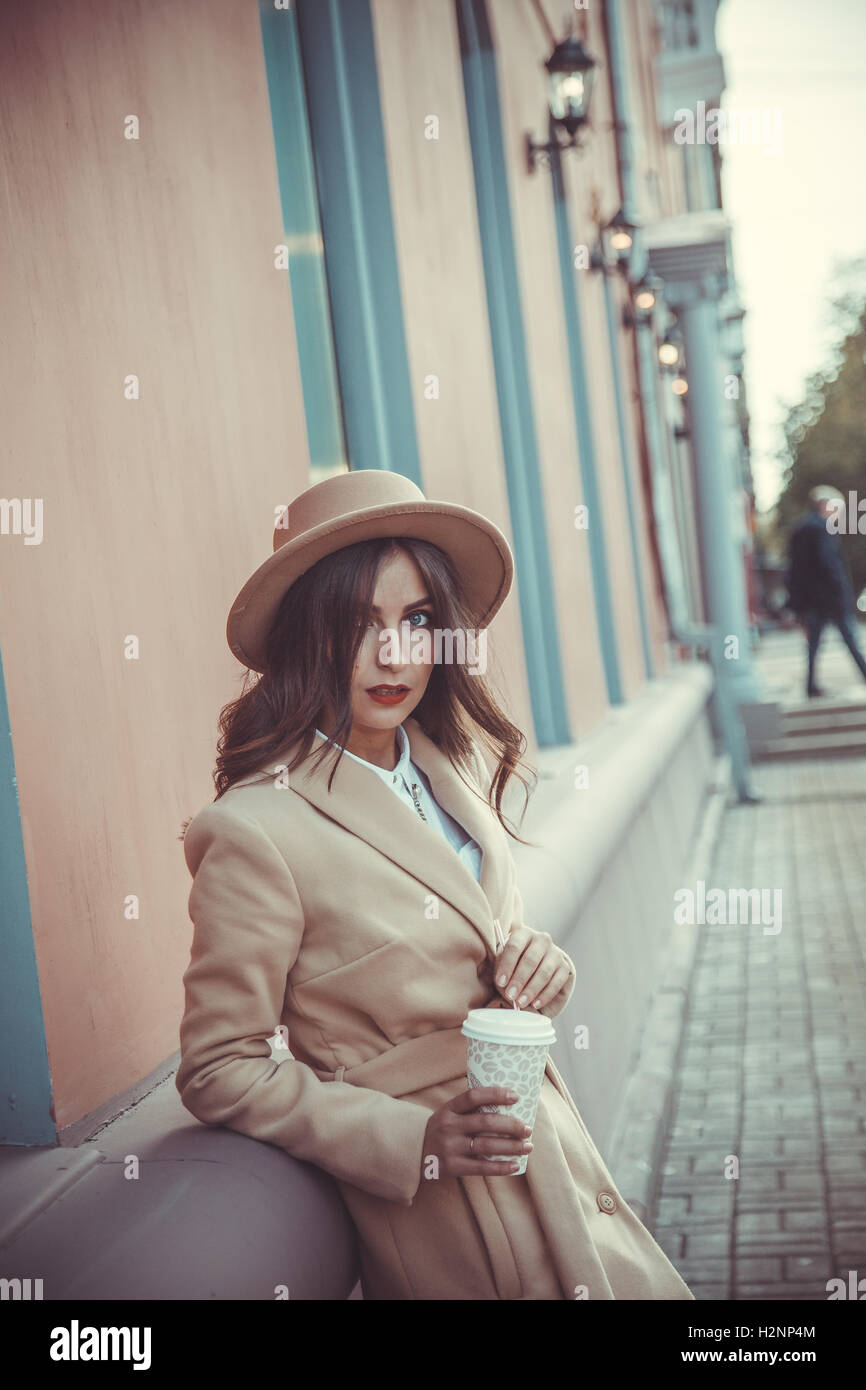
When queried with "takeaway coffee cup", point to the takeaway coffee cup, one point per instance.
{"points": [[508, 1047]]}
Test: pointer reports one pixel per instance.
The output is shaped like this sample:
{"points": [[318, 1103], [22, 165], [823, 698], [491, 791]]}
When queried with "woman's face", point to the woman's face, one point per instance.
{"points": [[400, 605]]}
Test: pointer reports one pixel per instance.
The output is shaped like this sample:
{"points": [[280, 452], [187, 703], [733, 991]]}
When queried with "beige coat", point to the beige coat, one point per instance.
{"points": [[347, 919]]}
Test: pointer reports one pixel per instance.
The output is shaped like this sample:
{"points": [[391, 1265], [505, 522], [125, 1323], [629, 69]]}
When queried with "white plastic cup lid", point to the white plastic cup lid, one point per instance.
{"points": [[520, 1026]]}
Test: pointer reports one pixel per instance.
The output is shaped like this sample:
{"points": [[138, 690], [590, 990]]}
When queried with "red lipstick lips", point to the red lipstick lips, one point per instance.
{"points": [[388, 694]]}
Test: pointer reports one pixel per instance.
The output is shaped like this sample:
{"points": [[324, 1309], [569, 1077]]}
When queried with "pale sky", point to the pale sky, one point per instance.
{"points": [[793, 213]]}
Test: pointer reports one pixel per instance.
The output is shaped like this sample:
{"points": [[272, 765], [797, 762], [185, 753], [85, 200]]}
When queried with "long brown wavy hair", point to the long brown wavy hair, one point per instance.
{"points": [[311, 652]]}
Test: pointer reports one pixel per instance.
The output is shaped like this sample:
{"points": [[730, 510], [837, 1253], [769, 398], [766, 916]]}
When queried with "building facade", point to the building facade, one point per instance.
{"points": [[257, 245]]}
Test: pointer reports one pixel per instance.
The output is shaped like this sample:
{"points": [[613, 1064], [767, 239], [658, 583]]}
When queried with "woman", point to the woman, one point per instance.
{"points": [[355, 908]]}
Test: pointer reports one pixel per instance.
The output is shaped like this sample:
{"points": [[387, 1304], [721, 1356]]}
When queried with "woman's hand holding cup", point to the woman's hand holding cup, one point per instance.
{"points": [[459, 1121]]}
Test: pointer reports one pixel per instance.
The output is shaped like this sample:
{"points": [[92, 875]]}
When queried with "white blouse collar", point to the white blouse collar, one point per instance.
{"points": [[403, 767]]}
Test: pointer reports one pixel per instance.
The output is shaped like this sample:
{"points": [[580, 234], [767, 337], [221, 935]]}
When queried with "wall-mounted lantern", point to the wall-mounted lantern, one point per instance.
{"points": [[617, 238], [645, 297], [669, 353], [571, 73]]}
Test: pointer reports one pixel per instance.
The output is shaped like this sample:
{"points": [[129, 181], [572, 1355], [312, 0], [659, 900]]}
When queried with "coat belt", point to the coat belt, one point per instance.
{"points": [[408, 1066], [428, 1060]]}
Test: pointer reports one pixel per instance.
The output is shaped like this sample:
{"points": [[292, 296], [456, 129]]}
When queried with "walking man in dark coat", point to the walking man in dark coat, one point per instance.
{"points": [[819, 586]]}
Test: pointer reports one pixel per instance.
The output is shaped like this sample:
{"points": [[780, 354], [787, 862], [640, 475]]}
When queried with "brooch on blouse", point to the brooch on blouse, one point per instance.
{"points": [[415, 794]]}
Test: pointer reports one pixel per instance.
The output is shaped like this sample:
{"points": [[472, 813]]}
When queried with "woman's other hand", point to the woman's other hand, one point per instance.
{"points": [[532, 969]]}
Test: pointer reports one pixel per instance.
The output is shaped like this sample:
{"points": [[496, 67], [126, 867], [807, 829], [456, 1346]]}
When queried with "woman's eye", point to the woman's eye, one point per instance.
{"points": [[428, 618]]}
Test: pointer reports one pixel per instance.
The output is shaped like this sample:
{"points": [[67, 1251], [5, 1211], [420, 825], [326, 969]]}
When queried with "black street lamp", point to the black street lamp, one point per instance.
{"points": [[669, 351], [646, 296], [618, 238], [571, 73]]}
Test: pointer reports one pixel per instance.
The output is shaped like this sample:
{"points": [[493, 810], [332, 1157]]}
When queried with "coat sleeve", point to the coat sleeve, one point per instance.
{"points": [[832, 560], [794, 575], [518, 919], [248, 924]]}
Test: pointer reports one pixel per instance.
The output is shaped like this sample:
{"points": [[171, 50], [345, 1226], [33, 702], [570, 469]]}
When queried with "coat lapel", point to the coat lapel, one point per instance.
{"points": [[361, 801], [473, 814]]}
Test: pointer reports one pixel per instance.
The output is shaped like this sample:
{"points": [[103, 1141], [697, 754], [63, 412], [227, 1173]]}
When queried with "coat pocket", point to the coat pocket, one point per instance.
{"points": [[336, 973]]}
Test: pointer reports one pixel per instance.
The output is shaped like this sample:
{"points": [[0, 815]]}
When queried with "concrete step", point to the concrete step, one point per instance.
{"points": [[822, 722], [849, 743], [818, 709]]}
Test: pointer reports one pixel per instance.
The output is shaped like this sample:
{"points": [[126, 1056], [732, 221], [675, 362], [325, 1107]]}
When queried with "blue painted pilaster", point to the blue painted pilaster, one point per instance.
{"points": [[676, 592], [311, 308], [532, 555], [25, 1080], [696, 304], [625, 454], [583, 418], [341, 79]]}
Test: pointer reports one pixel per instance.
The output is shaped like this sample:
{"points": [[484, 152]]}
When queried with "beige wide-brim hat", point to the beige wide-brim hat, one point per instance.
{"points": [[357, 506]]}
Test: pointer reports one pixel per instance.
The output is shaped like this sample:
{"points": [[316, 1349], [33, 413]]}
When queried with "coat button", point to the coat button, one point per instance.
{"points": [[606, 1202]]}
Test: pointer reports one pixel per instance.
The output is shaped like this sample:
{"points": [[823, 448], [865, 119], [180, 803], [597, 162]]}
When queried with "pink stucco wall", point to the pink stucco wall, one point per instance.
{"points": [[151, 257]]}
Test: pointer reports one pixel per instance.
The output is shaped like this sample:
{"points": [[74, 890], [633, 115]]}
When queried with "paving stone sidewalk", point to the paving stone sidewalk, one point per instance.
{"points": [[772, 1069]]}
